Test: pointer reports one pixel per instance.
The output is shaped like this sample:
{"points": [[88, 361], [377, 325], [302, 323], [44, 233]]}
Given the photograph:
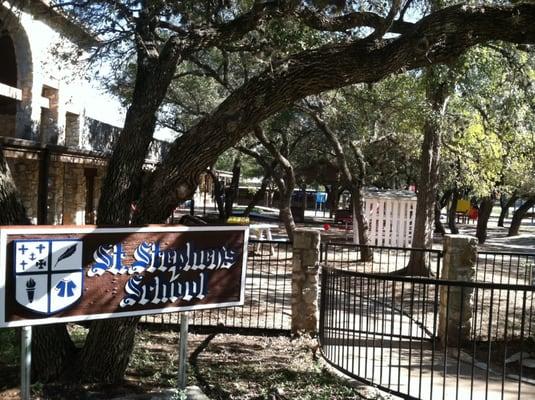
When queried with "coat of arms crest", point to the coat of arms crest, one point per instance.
{"points": [[48, 274]]}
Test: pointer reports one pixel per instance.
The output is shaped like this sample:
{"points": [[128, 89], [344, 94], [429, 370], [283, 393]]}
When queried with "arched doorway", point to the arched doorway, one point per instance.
{"points": [[16, 78]]}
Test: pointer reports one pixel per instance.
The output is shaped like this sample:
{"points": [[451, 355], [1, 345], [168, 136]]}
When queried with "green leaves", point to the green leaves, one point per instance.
{"points": [[489, 130]]}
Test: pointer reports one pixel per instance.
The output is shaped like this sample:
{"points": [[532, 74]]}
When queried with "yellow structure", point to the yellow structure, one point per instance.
{"points": [[463, 206]]}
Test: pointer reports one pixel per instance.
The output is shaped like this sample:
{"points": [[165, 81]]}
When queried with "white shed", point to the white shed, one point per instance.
{"points": [[390, 215]]}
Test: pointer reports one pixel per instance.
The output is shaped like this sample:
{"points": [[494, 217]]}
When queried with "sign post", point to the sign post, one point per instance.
{"points": [[25, 362], [183, 352], [53, 274]]}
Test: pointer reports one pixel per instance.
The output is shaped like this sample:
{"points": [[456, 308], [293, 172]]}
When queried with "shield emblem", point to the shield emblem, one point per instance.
{"points": [[48, 274]]}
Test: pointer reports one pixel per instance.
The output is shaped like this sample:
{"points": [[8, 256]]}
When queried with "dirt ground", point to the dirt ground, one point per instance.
{"points": [[225, 366]]}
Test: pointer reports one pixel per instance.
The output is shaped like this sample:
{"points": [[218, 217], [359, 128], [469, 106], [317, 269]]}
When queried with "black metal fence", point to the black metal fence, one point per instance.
{"points": [[267, 304], [352, 257], [385, 330]]}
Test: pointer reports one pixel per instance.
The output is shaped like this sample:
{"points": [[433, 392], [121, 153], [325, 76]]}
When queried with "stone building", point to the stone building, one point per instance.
{"points": [[57, 128]]}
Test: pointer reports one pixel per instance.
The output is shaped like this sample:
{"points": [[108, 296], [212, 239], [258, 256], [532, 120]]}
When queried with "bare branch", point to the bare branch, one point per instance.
{"points": [[404, 9], [350, 21], [226, 33], [262, 138], [254, 154], [387, 22], [334, 141], [210, 72]]}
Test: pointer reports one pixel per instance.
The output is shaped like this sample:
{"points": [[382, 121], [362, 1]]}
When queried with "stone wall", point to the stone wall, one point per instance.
{"points": [[305, 281], [74, 195], [456, 302], [7, 125], [72, 130], [66, 202], [26, 175], [55, 193]]}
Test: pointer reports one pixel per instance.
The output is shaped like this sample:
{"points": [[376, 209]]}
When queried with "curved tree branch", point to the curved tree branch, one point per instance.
{"points": [[438, 38], [350, 21]]}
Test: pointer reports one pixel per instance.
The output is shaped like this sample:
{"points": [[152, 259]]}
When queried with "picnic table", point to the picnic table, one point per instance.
{"points": [[263, 232]]}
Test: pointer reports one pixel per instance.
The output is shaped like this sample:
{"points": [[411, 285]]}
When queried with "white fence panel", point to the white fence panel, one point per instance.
{"points": [[390, 219]]}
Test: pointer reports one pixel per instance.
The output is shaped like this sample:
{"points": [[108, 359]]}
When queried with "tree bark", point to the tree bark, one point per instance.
{"points": [[232, 192], [452, 212], [360, 223], [485, 209], [354, 178], [258, 196], [219, 194], [284, 178], [440, 204], [123, 177], [437, 95], [105, 356], [54, 355], [439, 228], [519, 214], [286, 216], [505, 206], [107, 350]]}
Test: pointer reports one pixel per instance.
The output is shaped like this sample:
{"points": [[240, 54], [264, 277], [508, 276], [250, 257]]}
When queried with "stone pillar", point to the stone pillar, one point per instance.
{"points": [[456, 303], [305, 281]]}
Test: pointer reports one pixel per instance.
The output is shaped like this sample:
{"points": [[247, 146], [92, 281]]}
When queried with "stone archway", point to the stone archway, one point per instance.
{"points": [[16, 44]]}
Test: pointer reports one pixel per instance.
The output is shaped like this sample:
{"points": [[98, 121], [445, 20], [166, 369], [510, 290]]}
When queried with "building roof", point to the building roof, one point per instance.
{"points": [[389, 194]]}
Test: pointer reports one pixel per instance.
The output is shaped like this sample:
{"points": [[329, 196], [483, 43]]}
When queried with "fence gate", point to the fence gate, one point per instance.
{"points": [[385, 330]]}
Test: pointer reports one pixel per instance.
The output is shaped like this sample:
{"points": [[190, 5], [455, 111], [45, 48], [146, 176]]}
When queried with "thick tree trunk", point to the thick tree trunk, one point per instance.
{"points": [[123, 177], [505, 206], [107, 350], [485, 209], [429, 176], [54, 355], [109, 343], [519, 214], [360, 223], [452, 212]]}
